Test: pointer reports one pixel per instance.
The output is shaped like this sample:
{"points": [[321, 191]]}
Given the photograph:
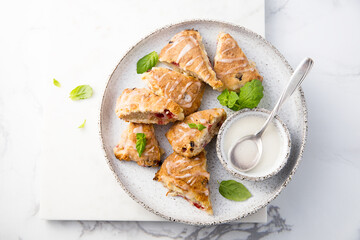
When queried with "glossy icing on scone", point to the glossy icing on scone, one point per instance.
{"points": [[126, 148], [140, 105], [186, 52], [231, 65], [185, 90], [187, 178], [190, 142]]}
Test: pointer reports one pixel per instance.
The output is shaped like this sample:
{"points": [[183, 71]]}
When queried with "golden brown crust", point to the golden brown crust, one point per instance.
{"points": [[188, 178], [185, 90], [190, 141], [126, 148], [140, 105], [231, 65], [186, 53]]}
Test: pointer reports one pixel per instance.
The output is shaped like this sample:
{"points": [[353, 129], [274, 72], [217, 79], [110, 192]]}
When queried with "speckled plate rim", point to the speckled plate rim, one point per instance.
{"points": [[225, 164], [302, 147]]}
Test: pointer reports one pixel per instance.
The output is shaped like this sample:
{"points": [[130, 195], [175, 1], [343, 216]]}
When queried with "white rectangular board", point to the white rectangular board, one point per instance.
{"points": [[88, 38]]}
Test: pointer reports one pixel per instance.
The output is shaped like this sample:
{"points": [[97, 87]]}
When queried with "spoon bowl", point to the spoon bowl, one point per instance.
{"points": [[246, 143]]}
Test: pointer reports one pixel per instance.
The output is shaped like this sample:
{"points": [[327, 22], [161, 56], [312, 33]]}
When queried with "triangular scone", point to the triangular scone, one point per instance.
{"points": [[190, 142], [187, 178], [185, 90], [140, 105], [231, 65], [126, 148], [186, 52]]}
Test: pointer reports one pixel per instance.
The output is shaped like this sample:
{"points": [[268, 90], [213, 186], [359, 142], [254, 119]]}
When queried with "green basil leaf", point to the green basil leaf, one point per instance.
{"points": [[192, 125], [147, 62], [251, 94], [224, 97], [236, 107], [200, 127], [140, 143], [233, 97], [56, 83], [81, 92], [83, 124], [234, 190], [197, 126]]}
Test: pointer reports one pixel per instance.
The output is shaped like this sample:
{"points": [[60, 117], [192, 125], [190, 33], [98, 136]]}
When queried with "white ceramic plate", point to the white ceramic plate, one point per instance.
{"points": [[137, 181]]}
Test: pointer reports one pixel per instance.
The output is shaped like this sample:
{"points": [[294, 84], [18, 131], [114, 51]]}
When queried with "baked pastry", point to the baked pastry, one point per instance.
{"points": [[231, 65], [185, 90], [189, 141], [186, 52], [187, 178], [140, 105], [126, 148]]}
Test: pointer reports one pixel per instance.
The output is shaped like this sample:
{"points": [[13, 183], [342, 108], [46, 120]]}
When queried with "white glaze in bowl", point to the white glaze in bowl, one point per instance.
{"points": [[260, 172]]}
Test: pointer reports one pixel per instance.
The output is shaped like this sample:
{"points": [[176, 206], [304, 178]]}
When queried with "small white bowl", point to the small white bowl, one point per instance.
{"points": [[256, 174]]}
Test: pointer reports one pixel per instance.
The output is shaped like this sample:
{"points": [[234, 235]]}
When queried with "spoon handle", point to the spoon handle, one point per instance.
{"points": [[295, 81]]}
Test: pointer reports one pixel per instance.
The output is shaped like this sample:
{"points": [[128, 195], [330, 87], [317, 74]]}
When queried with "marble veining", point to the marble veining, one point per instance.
{"points": [[247, 231], [279, 7]]}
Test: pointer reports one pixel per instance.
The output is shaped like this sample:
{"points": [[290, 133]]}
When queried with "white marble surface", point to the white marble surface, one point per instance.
{"points": [[321, 202]]}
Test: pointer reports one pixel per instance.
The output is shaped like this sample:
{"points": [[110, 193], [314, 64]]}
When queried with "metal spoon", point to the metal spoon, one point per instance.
{"points": [[296, 79]]}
